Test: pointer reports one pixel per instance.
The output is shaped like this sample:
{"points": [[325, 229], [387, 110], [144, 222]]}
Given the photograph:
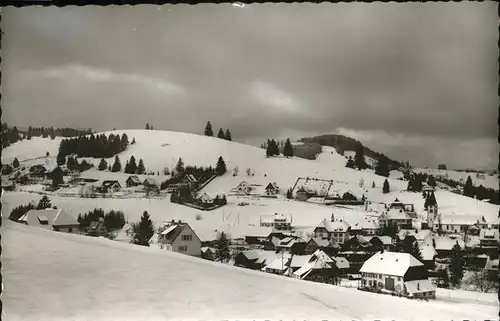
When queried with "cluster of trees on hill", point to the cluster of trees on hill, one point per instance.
{"points": [[73, 164], [20, 210], [113, 220], [358, 162], [54, 132], [342, 143], [221, 134], [10, 135], [92, 146], [273, 148], [202, 174]]}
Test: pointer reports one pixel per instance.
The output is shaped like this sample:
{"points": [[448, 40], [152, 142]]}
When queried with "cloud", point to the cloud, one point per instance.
{"points": [[269, 95], [77, 72]]}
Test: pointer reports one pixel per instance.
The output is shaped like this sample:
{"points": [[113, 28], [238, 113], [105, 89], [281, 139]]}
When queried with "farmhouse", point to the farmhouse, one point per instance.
{"points": [[398, 273], [366, 228], [51, 219], [279, 264], [488, 238], [272, 189], [96, 228], [109, 186], [150, 182], [179, 237], [133, 180], [454, 224], [304, 193], [381, 242], [243, 188], [319, 266], [318, 243], [335, 230], [292, 245]]}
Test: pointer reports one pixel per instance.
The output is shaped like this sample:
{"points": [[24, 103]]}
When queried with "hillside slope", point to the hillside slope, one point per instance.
{"points": [[55, 276]]}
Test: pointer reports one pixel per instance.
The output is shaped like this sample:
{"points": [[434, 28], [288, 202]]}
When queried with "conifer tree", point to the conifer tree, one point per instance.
{"points": [[359, 157], [208, 129], [15, 163], [228, 135], [52, 133], [133, 141], [274, 148], [269, 151], [44, 203], [288, 150], [222, 253], [103, 165], [30, 133], [220, 168], [144, 230], [132, 166], [179, 167], [382, 167], [350, 163], [147, 126], [141, 169], [456, 266], [123, 142], [221, 134], [431, 181], [57, 176], [386, 188], [373, 184], [127, 168], [468, 188], [117, 166]]}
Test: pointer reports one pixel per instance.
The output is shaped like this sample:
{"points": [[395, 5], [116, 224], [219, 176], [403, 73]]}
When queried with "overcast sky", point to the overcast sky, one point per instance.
{"points": [[415, 81]]}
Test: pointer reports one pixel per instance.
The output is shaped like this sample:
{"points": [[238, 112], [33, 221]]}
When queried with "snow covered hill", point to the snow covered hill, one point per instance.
{"points": [[489, 181], [56, 276]]}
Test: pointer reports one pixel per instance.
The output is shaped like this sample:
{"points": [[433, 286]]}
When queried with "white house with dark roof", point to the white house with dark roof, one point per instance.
{"points": [[272, 189], [51, 219], [399, 273], [177, 237]]}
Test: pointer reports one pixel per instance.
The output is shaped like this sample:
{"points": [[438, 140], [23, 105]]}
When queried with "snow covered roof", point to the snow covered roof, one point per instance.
{"points": [[428, 252], [191, 178], [109, 183], [206, 249], [251, 254], [419, 235], [265, 256], [386, 240], [272, 185], [365, 225], [205, 198], [280, 262], [446, 243], [134, 178], [486, 234], [336, 226], [149, 181], [419, 286], [318, 260], [390, 263], [169, 230], [320, 241], [459, 219], [396, 214], [299, 260], [341, 262], [53, 217]]}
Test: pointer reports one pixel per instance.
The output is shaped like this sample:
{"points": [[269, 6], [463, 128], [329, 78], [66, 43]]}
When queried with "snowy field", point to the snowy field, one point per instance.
{"points": [[486, 180], [55, 276]]}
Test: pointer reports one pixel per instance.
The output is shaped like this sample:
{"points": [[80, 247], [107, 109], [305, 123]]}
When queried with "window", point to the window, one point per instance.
{"points": [[399, 278], [70, 230], [187, 237], [183, 248]]}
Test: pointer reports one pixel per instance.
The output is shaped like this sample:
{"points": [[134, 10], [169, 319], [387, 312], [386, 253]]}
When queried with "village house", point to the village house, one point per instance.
{"points": [[398, 273], [96, 228], [395, 217], [248, 259], [419, 235], [205, 200], [133, 180], [443, 245], [318, 243], [278, 221], [278, 265], [304, 193], [179, 237], [109, 186], [406, 207], [496, 224], [429, 255], [488, 238], [292, 245], [272, 189], [381, 242], [52, 219], [456, 224], [243, 188], [335, 230], [318, 267], [208, 253], [365, 228]]}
